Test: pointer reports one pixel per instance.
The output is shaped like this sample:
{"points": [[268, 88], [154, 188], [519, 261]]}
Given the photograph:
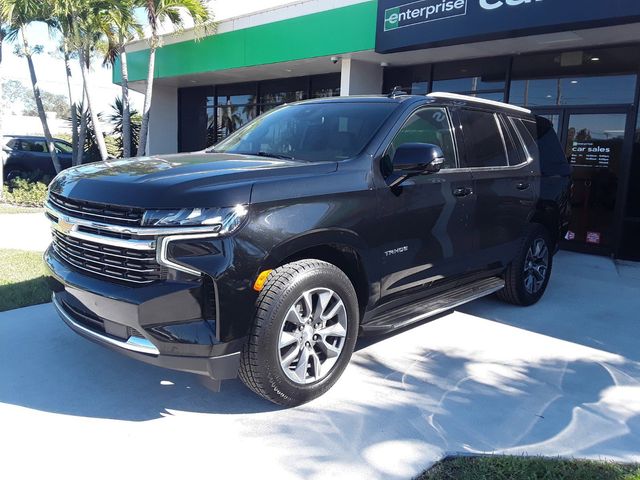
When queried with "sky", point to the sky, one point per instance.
{"points": [[50, 67]]}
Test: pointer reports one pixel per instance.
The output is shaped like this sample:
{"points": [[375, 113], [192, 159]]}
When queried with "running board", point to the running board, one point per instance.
{"points": [[406, 315]]}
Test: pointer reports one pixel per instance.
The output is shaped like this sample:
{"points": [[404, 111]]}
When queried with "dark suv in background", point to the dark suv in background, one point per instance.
{"points": [[28, 157], [318, 221]]}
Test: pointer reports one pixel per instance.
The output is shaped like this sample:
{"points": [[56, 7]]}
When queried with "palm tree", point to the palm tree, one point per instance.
{"points": [[120, 27], [3, 33], [88, 17], [65, 23], [160, 12], [19, 14], [116, 118]]}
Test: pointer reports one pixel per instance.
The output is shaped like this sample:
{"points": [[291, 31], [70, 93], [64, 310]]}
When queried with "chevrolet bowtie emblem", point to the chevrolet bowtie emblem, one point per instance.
{"points": [[63, 226]]}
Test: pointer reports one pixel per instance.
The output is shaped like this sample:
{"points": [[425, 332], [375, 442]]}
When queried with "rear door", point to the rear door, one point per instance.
{"points": [[504, 182], [424, 222]]}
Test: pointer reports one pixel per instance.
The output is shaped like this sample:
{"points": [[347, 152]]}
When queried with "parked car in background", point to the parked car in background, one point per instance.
{"points": [[318, 221], [28, 157]]}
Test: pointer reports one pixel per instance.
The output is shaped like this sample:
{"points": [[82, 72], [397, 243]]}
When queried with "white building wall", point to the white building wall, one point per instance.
{"points": [[163, 125], [360, 78]]}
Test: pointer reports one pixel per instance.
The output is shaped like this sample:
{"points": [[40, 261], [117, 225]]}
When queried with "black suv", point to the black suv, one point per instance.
{"points": [[28, 157], [269, 254]]}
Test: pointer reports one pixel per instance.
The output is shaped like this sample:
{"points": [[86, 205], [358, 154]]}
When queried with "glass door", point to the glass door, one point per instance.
{"points": [[594, 144]]}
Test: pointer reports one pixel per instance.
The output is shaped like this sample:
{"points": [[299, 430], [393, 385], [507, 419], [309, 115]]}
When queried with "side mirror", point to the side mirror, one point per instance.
{"points": [[413, 159]]}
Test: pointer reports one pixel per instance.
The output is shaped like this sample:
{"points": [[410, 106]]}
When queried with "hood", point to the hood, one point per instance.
{"points": [[175, 181]]}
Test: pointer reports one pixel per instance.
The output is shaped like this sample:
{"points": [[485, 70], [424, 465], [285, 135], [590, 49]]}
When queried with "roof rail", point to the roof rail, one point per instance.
{"points": [[467, 98]]}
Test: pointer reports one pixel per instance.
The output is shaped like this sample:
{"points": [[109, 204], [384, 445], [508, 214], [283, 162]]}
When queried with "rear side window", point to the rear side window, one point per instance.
{"points": [[528, 132], [37, 146], [553, 160], [483, 141]]}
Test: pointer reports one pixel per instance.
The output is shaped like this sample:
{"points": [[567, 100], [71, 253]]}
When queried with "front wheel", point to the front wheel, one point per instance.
{"points": [[527, 276], [305, 329]]}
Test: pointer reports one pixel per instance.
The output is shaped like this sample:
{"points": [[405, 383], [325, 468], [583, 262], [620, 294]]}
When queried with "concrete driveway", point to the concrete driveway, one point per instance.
{"points": [[559, 378], [25, 231]]}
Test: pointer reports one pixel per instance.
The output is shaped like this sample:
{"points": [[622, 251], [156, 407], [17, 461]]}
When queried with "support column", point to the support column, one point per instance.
{"points": [[360, 78], [163, 124]]}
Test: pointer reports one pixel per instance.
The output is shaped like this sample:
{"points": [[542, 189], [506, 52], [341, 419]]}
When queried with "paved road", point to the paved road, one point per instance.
{"points": [[559, 378], [25, 231]]}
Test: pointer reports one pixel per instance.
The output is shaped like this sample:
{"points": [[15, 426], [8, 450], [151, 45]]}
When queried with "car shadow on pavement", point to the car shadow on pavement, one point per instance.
{"points": [[45, 366]]}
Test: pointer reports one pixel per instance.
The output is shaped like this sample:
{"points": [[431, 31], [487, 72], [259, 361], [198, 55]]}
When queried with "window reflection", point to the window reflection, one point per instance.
{"points": [[601, 90]]}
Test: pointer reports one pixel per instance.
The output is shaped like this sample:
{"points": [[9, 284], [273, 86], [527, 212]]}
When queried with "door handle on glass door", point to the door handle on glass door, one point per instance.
{"points": [[462, 192]]}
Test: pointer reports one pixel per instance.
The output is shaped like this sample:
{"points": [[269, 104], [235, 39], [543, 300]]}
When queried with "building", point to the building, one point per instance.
{"points": [[573, 61]]}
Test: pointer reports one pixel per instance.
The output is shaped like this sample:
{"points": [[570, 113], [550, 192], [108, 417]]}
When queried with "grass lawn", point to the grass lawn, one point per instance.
{"points": [[22, 279], [8, 208], [528, 468]]}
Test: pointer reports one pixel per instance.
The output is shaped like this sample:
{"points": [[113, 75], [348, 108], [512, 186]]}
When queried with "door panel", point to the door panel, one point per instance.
{"points": [[505, 187], [425, 239]]}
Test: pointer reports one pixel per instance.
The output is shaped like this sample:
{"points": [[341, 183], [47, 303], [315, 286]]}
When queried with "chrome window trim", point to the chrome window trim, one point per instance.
{"points": [[134, 344], [163, 245], [137, 231]]}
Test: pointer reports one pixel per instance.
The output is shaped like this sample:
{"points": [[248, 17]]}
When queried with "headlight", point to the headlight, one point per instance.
{"points": [[222, 220]]}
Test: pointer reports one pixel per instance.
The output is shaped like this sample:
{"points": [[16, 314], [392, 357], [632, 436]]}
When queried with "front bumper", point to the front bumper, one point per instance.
{"points": [[157, 324]]}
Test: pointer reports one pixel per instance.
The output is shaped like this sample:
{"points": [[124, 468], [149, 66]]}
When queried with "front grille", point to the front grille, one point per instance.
{"points": [[115, 263], [97, 212]]}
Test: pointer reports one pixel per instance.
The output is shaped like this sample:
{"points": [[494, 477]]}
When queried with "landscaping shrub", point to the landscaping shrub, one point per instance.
{"points": [[25, 193]]}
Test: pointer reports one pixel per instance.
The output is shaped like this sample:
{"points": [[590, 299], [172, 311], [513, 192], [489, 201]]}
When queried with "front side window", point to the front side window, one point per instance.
{"points": [[312, 132], [62, 147], [483, 141], [427, 125]]}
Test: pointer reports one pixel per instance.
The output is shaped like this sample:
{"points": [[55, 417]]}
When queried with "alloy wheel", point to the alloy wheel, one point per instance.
{"points": [[536, 265], [312, 335]]}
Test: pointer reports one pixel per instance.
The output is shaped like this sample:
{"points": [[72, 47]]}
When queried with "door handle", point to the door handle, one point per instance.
{"points": [[462, 192], [523, 186]]}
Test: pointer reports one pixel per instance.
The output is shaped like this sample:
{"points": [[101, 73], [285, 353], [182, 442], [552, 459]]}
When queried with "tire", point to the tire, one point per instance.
{"points": [[14, 173], [518, 276], [283, 333]]}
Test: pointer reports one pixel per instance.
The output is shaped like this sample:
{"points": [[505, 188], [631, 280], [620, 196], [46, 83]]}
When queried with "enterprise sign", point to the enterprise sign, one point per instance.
{"points": [[406, 25], [422, 11]]}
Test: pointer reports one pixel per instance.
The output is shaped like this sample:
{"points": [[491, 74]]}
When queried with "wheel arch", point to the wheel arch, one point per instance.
{"points": [[341, 248]]}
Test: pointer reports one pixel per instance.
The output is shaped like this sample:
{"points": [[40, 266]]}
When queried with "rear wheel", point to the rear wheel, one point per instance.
{"points": [[527, 276], [304, 333]]}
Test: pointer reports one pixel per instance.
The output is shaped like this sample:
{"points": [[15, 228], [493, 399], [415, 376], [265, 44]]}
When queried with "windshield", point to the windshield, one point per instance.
{"points": [[313, 132]]}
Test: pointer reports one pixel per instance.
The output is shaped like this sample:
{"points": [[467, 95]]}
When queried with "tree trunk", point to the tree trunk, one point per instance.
{"points": [[144, 129], [41, 113], [72, 107], [126, 109], [82, 135], [1, 118], [97, 128]]}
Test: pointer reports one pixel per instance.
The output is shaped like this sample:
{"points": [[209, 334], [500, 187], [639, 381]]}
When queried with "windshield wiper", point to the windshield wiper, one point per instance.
{"points": [[279, 156]]}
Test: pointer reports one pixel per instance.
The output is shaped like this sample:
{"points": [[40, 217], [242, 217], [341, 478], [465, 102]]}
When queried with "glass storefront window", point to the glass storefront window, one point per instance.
{"points": [[485, 78], [601, 90]]}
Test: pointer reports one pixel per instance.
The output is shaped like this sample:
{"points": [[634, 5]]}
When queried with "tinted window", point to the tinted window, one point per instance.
{"points": [[512, 142], [484, 146], [313, 132], [528, 133], [36, 146], [428, 125]]}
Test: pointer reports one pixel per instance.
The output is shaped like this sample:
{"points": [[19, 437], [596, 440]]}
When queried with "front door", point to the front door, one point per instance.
{"points": [[424, 238], [594, 141], [594, 146]]}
